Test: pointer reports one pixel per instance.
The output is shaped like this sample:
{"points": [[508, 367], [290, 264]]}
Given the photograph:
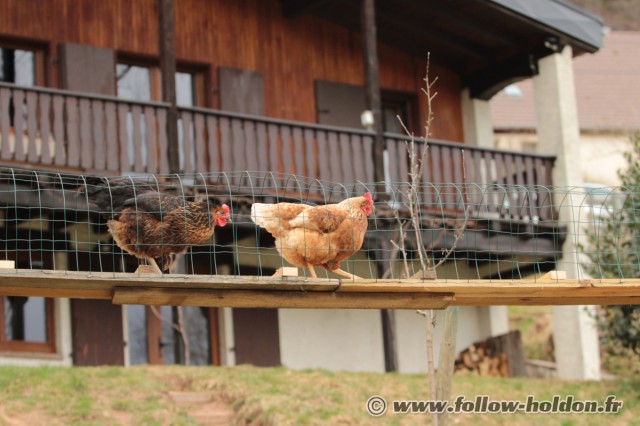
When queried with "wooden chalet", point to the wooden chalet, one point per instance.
{"points": [[259, 86]]}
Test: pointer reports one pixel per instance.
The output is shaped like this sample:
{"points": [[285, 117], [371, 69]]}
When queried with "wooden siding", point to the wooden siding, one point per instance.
{"points": [[248, 34]]}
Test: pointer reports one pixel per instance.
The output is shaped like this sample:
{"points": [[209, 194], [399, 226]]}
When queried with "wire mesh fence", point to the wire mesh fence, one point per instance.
{"points": [[235, 224]]}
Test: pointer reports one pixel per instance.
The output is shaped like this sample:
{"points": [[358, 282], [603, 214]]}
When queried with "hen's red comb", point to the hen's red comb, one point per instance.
{"points": [[225, 208], [368, 196]]}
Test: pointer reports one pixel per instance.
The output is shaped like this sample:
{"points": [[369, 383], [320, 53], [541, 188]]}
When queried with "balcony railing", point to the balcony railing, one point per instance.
{"points": [[47, 128]]}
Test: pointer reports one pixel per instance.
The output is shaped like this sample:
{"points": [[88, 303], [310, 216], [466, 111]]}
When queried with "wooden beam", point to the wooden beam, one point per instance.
{"points": [[48, 292], [75, 280], [278, 299], [546, 301], [251, 291]]}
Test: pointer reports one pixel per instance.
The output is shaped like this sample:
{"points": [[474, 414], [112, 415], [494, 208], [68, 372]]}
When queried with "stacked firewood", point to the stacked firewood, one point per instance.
{"points": [[496, 356]]}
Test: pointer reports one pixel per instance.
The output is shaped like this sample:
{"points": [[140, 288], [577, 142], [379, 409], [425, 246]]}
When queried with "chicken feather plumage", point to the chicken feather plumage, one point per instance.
{"points": [[153, 225], [308, 236]]}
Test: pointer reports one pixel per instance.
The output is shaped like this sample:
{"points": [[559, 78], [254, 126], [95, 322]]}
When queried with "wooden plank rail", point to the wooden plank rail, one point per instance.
{"points": [[46, 127], [293, 292]]}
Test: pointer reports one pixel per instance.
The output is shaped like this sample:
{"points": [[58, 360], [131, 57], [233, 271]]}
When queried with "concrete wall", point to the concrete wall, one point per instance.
{"points": [[412, 335], [342, 339]]}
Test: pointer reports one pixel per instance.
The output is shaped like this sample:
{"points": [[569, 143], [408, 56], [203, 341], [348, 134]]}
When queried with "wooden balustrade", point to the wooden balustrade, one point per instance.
{"points": [[45, 128]]}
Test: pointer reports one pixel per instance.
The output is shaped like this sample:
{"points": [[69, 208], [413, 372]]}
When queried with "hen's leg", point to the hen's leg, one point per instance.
{"points": [[171, 261], [312, 271], [153, 263], [346, 274]]}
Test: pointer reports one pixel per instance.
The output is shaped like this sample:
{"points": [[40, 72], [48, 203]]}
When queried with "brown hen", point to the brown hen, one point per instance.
{"points": [[153, 225]]}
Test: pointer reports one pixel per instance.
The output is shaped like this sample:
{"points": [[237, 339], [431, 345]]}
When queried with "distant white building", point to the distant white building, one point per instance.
{"points": [[608, 100]]}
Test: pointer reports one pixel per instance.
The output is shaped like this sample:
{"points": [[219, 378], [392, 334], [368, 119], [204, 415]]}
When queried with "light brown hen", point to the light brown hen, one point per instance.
{"points": [[308, 236]]}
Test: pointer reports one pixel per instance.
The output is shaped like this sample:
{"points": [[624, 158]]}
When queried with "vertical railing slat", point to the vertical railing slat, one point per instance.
{"points": [[346, 158], [357, 145], [111, 136], [199, 143], [310, 150], [532, 208], [324, 157], [367, 143], [32, 127], [5, 123], [507, 166], [298, 151], [150, 139], [478, 191], [334, 166], [457, 203], [213, 144], [163, 143], [252, 153], [287, 154], [99, 130], [187, 144], [18, 125], [519, 191], [61, 145], [227, 161], [73, 130], [239, 146], [86, 135], [491, 190], [275, 150], [124, 140], [45, 128]]}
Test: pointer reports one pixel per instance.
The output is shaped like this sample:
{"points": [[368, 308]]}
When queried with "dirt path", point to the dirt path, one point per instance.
{"points": [[203, 408]]}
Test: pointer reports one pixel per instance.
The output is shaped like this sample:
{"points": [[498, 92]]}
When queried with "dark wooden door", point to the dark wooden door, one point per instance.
{"points": [[97, 332], [257, 337]]}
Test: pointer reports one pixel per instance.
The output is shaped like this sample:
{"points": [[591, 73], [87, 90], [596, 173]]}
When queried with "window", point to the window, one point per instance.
{"points": [[27, 323], [21, 65], [154, 340], [137, 83], [186, 93], [394, 105], [141, 82], [17, 66]]}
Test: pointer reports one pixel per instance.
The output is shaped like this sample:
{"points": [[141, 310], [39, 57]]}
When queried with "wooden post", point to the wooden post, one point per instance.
{"points": [[372, 89], [447, 359], [389, 340], [384, 262], [168, 71]]}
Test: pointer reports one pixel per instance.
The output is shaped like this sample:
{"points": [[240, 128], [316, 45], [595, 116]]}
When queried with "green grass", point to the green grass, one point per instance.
{"points": [[273, 396], [536, 326]]}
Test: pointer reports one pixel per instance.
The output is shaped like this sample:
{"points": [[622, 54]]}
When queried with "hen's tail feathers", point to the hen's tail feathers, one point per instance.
{"points": [[258, 214], [265, 217], [109, 195]]}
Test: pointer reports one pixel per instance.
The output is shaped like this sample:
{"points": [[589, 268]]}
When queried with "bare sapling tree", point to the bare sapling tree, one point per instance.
{"points": [[417, 153]]}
